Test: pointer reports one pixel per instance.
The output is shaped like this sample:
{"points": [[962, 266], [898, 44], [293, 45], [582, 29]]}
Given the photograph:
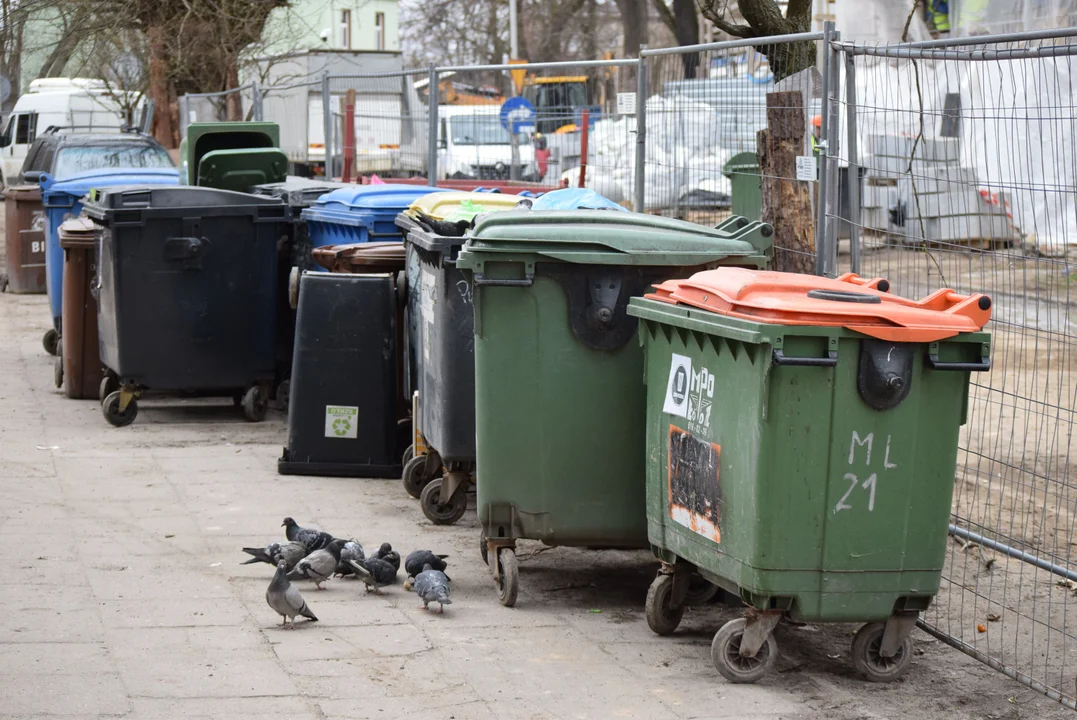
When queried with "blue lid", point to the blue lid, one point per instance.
{"points": [[81, 183]]}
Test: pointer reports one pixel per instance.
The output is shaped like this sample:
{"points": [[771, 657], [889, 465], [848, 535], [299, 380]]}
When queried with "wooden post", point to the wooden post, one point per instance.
{"points": [[349, 135], [786, 200]]}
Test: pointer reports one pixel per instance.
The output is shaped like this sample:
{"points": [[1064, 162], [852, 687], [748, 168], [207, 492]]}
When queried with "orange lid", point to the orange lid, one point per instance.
{"points": [[848, 301]]}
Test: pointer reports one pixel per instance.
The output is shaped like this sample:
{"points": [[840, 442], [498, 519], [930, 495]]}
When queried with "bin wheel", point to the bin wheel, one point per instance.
{"points": [[484, 550], [58, 371], [407, 456], [508, 586], [734, 667], [870, 663], [108, 385], [414, 477], [439, 511], [700, 591], [284, 392], [255, 403], [293, 288], [662, 617], [51, 341], [110, 408]]}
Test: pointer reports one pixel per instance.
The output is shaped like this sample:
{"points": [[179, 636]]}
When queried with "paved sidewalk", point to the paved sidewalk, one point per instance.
{"points": [[123, 596]]}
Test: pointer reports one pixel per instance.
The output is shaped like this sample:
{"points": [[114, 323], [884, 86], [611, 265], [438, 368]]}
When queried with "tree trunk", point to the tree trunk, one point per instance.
{"points": [[634, 15], [234, 100], [686, 30], [159, 86], [786, 201]]}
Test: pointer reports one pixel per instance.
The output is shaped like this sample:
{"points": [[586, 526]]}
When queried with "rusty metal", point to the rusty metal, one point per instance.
{"points": [[25, 240], [81, 358], [756, 631]]}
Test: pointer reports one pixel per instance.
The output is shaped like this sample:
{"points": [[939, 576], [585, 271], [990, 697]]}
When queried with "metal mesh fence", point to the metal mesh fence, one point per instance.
{"points": [[968, 161], [242, 103], [296, 108], [708, 110]]}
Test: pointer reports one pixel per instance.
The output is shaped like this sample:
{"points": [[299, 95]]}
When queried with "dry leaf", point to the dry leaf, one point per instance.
{"points": [[992, 617]]}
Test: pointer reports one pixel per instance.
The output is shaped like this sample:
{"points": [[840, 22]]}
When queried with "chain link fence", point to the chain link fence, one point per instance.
{"points": [[967, 150], [242, 103]]}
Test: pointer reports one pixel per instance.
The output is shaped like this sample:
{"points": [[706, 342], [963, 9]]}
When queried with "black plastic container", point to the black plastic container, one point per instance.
{"points": [[186, 292], [343, 415]]}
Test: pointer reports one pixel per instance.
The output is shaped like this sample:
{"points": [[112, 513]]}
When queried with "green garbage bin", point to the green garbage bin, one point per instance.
{"points": [[559, 406], [232, 155], [743, 172], [802, 437]]}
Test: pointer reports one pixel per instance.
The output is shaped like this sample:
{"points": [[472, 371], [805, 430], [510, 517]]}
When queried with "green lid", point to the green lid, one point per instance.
{"points": [[621, 238]]}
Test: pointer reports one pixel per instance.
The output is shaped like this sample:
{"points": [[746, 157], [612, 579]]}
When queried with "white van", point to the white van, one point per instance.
{"points": [[78, 103], [472, 144]]}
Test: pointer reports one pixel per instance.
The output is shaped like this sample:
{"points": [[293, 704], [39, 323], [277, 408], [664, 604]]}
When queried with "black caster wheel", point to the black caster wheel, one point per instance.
{"points": [[284, 392], [484, 550], [508, 587], [439, 510], [407, 456], [415, 478], [700, 591], [255, 403], [51, 341], [58, 370], [110, 408], [293, 288], [108, 385], [734, 667], [662, 617], [870, 663]]}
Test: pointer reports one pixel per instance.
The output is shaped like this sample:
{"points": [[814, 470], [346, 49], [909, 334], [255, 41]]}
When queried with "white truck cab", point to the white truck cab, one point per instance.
{"points": [[472, 144], [78, 103]]}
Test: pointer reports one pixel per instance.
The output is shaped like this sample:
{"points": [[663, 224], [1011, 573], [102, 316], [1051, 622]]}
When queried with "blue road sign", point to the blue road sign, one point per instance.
{"points": [[517, 115]]}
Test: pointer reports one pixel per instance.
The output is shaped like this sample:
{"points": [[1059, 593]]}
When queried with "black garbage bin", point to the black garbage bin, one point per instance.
{"points": [[186, 293]]}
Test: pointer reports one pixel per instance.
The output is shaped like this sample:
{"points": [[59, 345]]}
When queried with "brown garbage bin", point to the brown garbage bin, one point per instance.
{"points": [[25, 239], [80, 369]]}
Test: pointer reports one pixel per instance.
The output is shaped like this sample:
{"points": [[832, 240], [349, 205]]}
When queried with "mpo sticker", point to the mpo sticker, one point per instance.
{"points": [[341, 421]]}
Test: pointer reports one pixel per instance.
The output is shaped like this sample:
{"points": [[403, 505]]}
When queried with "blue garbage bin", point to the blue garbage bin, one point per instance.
{"points": [[361, 213], [63, 200]]}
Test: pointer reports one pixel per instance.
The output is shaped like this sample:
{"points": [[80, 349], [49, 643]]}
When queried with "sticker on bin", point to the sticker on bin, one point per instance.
{"points": [[695, 493], [689, 393], [341, 421]]}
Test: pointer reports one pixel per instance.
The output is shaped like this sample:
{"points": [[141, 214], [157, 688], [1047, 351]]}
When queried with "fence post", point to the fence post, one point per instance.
{"points": [[821, 249], [641, 133], [256, 101], [854, 164], [183, 117], [432, 128], [327, 125], [833, 149]]}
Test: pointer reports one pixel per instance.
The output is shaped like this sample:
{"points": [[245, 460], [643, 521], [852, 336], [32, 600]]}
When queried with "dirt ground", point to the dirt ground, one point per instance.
{"points": [[124, 597]]}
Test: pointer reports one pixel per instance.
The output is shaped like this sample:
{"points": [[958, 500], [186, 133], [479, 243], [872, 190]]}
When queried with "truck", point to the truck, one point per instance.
{"points": [[472, 144]]}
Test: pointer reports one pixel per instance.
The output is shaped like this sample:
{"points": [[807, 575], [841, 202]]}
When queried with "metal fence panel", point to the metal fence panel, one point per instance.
{"points": [[296, 108], [209, 107], [968, 154]]}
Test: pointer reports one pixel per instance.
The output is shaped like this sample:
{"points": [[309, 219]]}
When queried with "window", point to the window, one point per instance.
{"points": [[481, 130], [77, 158], [26, 128], [379, 31], [346, 29]]}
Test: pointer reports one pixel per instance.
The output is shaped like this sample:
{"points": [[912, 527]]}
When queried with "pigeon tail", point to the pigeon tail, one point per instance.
{"points": [[305, 612]]}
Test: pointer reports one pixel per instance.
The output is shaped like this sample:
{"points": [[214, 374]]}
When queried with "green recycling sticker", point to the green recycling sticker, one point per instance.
{"points": [[341, 421]]}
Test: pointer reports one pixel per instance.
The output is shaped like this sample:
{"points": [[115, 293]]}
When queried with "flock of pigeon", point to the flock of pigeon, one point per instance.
{"points": [[314, 555]]}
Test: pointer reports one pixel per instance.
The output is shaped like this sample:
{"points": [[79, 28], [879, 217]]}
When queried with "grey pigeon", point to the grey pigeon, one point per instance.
{"points": [[420, 558], [352, 550], [433, 586], [285, 599], [319, 565], [386, 553], [374, 573], [273, 553], [313, 539]]}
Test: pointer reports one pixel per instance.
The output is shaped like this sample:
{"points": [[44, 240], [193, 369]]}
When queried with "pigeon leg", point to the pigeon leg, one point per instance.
{"points": [[318, 584], [441, 609]]}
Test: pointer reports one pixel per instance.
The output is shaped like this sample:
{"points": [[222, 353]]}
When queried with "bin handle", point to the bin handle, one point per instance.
{"points": [[830, 360], [934, 363], [527, 281]]}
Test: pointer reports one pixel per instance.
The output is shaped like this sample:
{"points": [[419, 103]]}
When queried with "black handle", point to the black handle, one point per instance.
{"points": [[934, 363], [184, 248], [830, 361], [481, 280], [393, 235]]}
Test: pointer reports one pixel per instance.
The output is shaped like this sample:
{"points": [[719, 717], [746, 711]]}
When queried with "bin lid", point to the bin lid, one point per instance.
{"points": [[575, 199], [355, 204], [299, 192], [127, 197], [81, 183], [453, 206], [77, 233], [610, 237], [858, 304], [744, 163], [371, 257]]}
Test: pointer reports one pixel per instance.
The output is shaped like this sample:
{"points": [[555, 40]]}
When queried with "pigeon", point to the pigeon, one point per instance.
{"points": [[352, 550], [432, 586], [386, 553], [273, 553], [313, 539], [283, 597], [319, 565], [375, 573], [418, 559]]}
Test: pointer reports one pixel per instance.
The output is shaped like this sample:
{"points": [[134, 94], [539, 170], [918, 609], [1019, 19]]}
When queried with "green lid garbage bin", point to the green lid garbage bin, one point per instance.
{"points": [[232, 155], [802, 438], [743, 172], [559, 403]]}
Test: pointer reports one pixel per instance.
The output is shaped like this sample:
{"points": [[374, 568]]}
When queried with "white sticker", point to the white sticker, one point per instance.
{"points": [[341, 421], [428, 293], [806, 168], [626, 103], [680, 373], [425, 339]]}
